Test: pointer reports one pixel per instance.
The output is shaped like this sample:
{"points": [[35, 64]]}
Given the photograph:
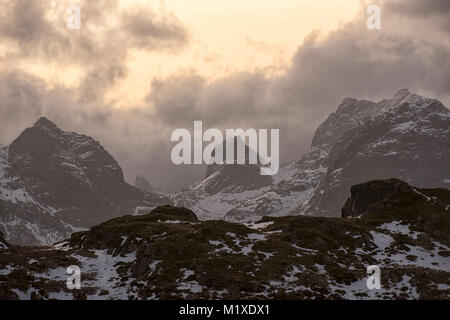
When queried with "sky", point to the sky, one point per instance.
{"points": [[232, 36], [136, 70]]}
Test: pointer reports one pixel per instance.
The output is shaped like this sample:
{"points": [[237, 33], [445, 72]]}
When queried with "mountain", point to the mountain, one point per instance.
{"points": [[53, 183], [142, 183], [208, 198], [234, 177], [169, 254], [407, 136]]}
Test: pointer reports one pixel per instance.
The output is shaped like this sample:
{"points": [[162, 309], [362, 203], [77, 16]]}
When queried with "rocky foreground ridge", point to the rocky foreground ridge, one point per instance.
{"points": [[169, 254]]}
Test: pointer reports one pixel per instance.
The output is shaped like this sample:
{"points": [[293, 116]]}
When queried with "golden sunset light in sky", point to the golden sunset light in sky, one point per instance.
{"points": [[224, 37], [232, 36]]}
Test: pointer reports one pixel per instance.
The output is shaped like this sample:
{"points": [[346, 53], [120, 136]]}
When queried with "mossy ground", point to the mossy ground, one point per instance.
{"points": [[174, 256]]}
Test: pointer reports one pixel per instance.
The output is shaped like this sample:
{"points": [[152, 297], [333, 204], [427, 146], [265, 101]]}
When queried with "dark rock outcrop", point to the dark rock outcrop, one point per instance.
{"points": [[168, 212], [119, 234], [3, 243], [383, 197]]}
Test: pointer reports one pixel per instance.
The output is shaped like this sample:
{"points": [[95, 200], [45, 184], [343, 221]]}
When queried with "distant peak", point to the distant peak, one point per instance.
{"points": [[346, 103], [44, 122], [349, 100], [142, 183], [402, 93]]}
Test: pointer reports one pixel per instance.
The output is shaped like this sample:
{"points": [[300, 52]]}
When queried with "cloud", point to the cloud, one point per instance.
{"points": [[149, 31], [419, 7], [432, 16], [351, 61], [100, 48]]}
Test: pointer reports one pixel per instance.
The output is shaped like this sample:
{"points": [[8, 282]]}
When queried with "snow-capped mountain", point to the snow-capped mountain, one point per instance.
{"points": [[407, 137], [234, 178], [53, 183]]}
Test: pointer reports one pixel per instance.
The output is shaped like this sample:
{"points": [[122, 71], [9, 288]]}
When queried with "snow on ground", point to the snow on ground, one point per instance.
{"points": [[420, 193], [258, 226], [152, 266], [7, 270], [103, 269], [397, 227], [245, 244], [414, 256], [190, 286], [23, 295], [382, 240], [359, 289], [425, 258], [256, 236]]}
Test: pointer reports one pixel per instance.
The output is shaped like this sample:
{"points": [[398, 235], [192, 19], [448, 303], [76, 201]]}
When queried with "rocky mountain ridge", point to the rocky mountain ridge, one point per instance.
{"points": [[169, 254], [407, 136], [53, 183]]}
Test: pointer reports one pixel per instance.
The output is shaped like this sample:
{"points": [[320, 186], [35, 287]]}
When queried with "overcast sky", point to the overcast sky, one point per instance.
{"points": [[136, 70]]}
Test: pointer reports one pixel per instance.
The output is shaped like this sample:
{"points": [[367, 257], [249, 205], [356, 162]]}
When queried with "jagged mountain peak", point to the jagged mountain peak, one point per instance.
{"points": [[402, 94], [227, 177], [45, 123], [352, 113], [55, 182], [406, 136]]}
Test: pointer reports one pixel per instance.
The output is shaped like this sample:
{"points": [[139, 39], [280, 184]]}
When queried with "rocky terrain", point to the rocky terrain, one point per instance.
{"points": [[53, 183], [170, 254], [407, 136], [3, 243]]}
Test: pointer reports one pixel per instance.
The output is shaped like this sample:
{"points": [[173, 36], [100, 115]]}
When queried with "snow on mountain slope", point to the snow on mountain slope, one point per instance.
{"points": [[407, 137], [53, 183], [409, 140]]}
